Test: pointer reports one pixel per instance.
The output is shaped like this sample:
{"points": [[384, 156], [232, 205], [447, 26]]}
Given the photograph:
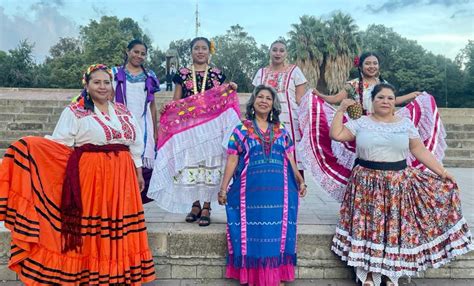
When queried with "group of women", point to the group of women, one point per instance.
{"points": [[72, 199]]}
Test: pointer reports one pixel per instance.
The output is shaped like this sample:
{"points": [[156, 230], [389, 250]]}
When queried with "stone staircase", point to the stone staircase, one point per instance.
{"points": [[21, 117], [186, 251]]}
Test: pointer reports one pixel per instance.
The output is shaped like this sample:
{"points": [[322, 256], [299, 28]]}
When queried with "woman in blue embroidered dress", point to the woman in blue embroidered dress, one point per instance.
{"points": [[135, 87], [262, 201]]}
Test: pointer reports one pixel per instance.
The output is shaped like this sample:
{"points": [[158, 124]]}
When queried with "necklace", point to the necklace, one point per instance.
{"points": [[266, 144], [203, 86]]}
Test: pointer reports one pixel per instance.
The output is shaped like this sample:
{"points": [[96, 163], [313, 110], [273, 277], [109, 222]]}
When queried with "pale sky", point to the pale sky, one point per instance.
{"points": [[440, 26]]}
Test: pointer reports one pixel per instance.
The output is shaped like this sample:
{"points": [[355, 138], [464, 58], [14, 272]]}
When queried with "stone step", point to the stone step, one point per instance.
{"points": [[459, 134], [16, 134], [447, 112], [33, 102], [460, 143], [457, 152], [460, 119], [458, 162], [28, 117], [458, 127], [186, 251]]}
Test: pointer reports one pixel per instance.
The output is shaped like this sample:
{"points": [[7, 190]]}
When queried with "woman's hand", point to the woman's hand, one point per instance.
{"points": [[233, 85], [317, 93], [222, 197], [345, 104], [414, 94], [446, 175], [302, 189], [141, 181]]}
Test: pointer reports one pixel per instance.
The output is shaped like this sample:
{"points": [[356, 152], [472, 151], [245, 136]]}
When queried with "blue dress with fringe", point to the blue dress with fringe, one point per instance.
{"points": [[262, 207]]}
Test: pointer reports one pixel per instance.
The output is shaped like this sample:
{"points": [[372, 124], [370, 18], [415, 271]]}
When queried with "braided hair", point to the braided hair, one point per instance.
{"points": [[360, 68]]}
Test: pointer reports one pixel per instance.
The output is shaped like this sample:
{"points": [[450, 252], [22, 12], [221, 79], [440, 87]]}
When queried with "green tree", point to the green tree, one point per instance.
{"points": [[17, 66], [409, 67], [324, 50], [184, 51], [238, 55], [66, 64], [465, 60], [106, 41]]}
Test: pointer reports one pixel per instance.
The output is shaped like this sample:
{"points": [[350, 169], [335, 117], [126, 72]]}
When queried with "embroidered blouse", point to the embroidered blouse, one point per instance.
{"points": [[184, 77], [78, 126]]}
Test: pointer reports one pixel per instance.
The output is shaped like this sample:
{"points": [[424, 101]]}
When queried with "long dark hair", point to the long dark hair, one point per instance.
{"points": [[379, 87], [276, 107], [362, 58], [130, 46]]}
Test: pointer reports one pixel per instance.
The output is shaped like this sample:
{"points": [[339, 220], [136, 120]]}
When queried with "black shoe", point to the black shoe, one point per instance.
{"points": [[191, 217], [205, 220]]}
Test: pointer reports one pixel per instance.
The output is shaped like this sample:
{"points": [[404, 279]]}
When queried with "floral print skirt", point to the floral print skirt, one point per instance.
{"points": [[398, 223]]}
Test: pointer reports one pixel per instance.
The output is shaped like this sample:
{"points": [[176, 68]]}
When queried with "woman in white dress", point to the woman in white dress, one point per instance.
{"points": [[290, 83], [135, 87]]}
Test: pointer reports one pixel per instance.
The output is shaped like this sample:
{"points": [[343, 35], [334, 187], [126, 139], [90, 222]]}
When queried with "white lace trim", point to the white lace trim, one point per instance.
{"points": [[421, 264], [427, 125], [189, 148], [398, 250], [335, 189]]}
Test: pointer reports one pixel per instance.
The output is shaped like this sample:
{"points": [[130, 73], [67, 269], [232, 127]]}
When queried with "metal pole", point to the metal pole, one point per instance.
{"points": [[445, 82], [197, 18]]}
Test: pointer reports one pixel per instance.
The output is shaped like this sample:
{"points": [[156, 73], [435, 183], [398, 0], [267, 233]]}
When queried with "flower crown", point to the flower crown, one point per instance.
{"points": [[356, 61], [212, 47], [93, 68]]}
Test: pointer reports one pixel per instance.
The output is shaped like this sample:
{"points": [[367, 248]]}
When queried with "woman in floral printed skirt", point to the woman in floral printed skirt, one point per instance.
{"points": [[395, 219]]}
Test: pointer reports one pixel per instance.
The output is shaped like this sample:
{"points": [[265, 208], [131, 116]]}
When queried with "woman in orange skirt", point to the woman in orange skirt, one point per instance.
{"points": [[75, 214]]}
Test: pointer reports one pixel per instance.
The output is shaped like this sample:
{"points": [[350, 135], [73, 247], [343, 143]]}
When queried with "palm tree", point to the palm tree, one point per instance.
{"points": [[324, 50], [342, 46], [305, 47]]}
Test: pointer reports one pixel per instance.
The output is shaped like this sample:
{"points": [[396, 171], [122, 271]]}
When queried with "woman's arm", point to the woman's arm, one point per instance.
{"points": [[154, 119], [338, 131], [232, 161], [299, 179], [178, 92], [428, 159], [299, 92], [407, 97], [141, 181], [332, 99]]}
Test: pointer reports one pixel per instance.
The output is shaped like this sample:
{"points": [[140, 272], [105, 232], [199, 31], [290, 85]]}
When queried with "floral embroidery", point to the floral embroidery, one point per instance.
{"points": [[127, 128], [108, 133], [79, 110], [185, 79]]}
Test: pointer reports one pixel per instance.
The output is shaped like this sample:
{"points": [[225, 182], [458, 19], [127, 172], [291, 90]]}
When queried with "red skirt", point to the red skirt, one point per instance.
{"points": [[115, 246]]}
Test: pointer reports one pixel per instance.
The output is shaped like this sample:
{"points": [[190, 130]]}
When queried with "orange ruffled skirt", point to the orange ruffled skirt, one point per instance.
{"points": [[115, 246]]}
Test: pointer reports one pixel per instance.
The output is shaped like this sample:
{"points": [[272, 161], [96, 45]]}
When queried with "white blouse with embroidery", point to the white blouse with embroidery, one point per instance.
{"points": [[380, 141], [78, 126]]}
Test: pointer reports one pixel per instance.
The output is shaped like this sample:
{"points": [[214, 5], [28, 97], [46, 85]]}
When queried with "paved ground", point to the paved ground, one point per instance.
{"points": [[312, 282], [317, 208]]}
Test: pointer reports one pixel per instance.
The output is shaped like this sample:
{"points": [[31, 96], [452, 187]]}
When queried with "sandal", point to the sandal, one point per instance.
{"points": [[191, 217], [205, 220]]}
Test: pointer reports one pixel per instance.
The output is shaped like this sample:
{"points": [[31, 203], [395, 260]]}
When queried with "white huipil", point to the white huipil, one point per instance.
{"points": [[285, 83], [78, 126], [135, 101]]}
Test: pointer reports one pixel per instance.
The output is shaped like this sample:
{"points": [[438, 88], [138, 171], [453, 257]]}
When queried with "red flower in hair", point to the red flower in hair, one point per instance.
{"points": [[356, 61]]}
